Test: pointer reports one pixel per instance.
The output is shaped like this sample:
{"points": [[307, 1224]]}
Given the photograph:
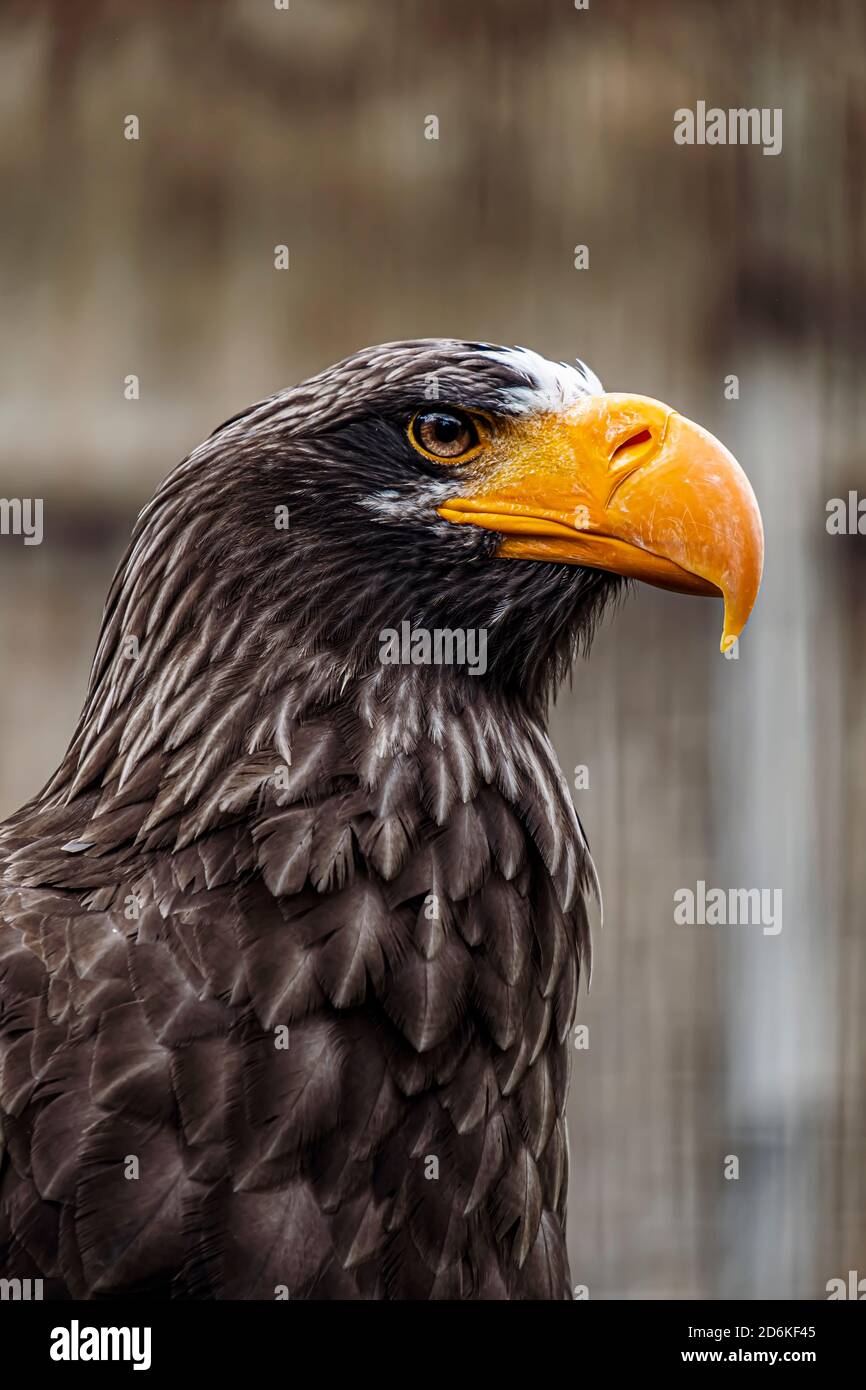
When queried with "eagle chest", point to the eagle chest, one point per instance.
{"points": [[410, 999]]}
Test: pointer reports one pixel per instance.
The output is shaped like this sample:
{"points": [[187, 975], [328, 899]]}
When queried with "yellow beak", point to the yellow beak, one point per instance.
{"points": [[624, 483]]}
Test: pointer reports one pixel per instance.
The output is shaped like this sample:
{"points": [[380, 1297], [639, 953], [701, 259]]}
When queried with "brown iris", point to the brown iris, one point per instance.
{"points": [[444, 434]]}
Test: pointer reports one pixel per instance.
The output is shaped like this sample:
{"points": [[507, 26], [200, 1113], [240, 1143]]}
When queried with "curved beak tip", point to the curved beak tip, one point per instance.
{"points": [[660, 498]]}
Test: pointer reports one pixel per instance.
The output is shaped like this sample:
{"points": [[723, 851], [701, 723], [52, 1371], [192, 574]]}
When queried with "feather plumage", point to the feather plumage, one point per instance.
{"points": [[290, 1017]]}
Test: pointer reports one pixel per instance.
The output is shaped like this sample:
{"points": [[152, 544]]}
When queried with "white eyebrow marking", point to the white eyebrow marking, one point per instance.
{"points": [[555, 383]]}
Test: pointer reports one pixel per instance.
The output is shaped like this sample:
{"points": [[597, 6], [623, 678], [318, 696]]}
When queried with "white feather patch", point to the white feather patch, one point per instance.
{"points": [[553, 384]]}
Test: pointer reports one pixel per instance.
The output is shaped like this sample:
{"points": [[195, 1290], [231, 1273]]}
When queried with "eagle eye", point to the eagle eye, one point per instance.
{"points": [[445, 434]]}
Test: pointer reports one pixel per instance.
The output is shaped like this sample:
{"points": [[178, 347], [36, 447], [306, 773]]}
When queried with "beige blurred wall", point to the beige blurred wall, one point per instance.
{"points": [[155, 257]]}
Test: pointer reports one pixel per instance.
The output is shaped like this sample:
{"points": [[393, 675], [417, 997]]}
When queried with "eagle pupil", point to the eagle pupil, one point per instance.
{"points": [[445, 433], [447, 428]]}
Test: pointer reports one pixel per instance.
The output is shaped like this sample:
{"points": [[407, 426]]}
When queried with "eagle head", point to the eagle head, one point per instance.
{"points": [[432, 486]]}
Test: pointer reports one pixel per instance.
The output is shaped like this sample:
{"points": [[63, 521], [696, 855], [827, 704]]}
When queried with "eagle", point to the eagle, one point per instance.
{"points": [[290, 943]]}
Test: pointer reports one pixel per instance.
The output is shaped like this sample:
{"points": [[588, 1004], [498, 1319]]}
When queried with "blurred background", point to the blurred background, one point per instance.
{"points": [[306, 127]]}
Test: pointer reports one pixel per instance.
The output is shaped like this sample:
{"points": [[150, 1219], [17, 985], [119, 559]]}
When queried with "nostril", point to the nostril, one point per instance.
{"points": [[628, 447]]}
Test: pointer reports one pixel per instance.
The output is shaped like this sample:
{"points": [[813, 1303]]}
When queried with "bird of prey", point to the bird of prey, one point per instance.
{"points": [[290, 942]]}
